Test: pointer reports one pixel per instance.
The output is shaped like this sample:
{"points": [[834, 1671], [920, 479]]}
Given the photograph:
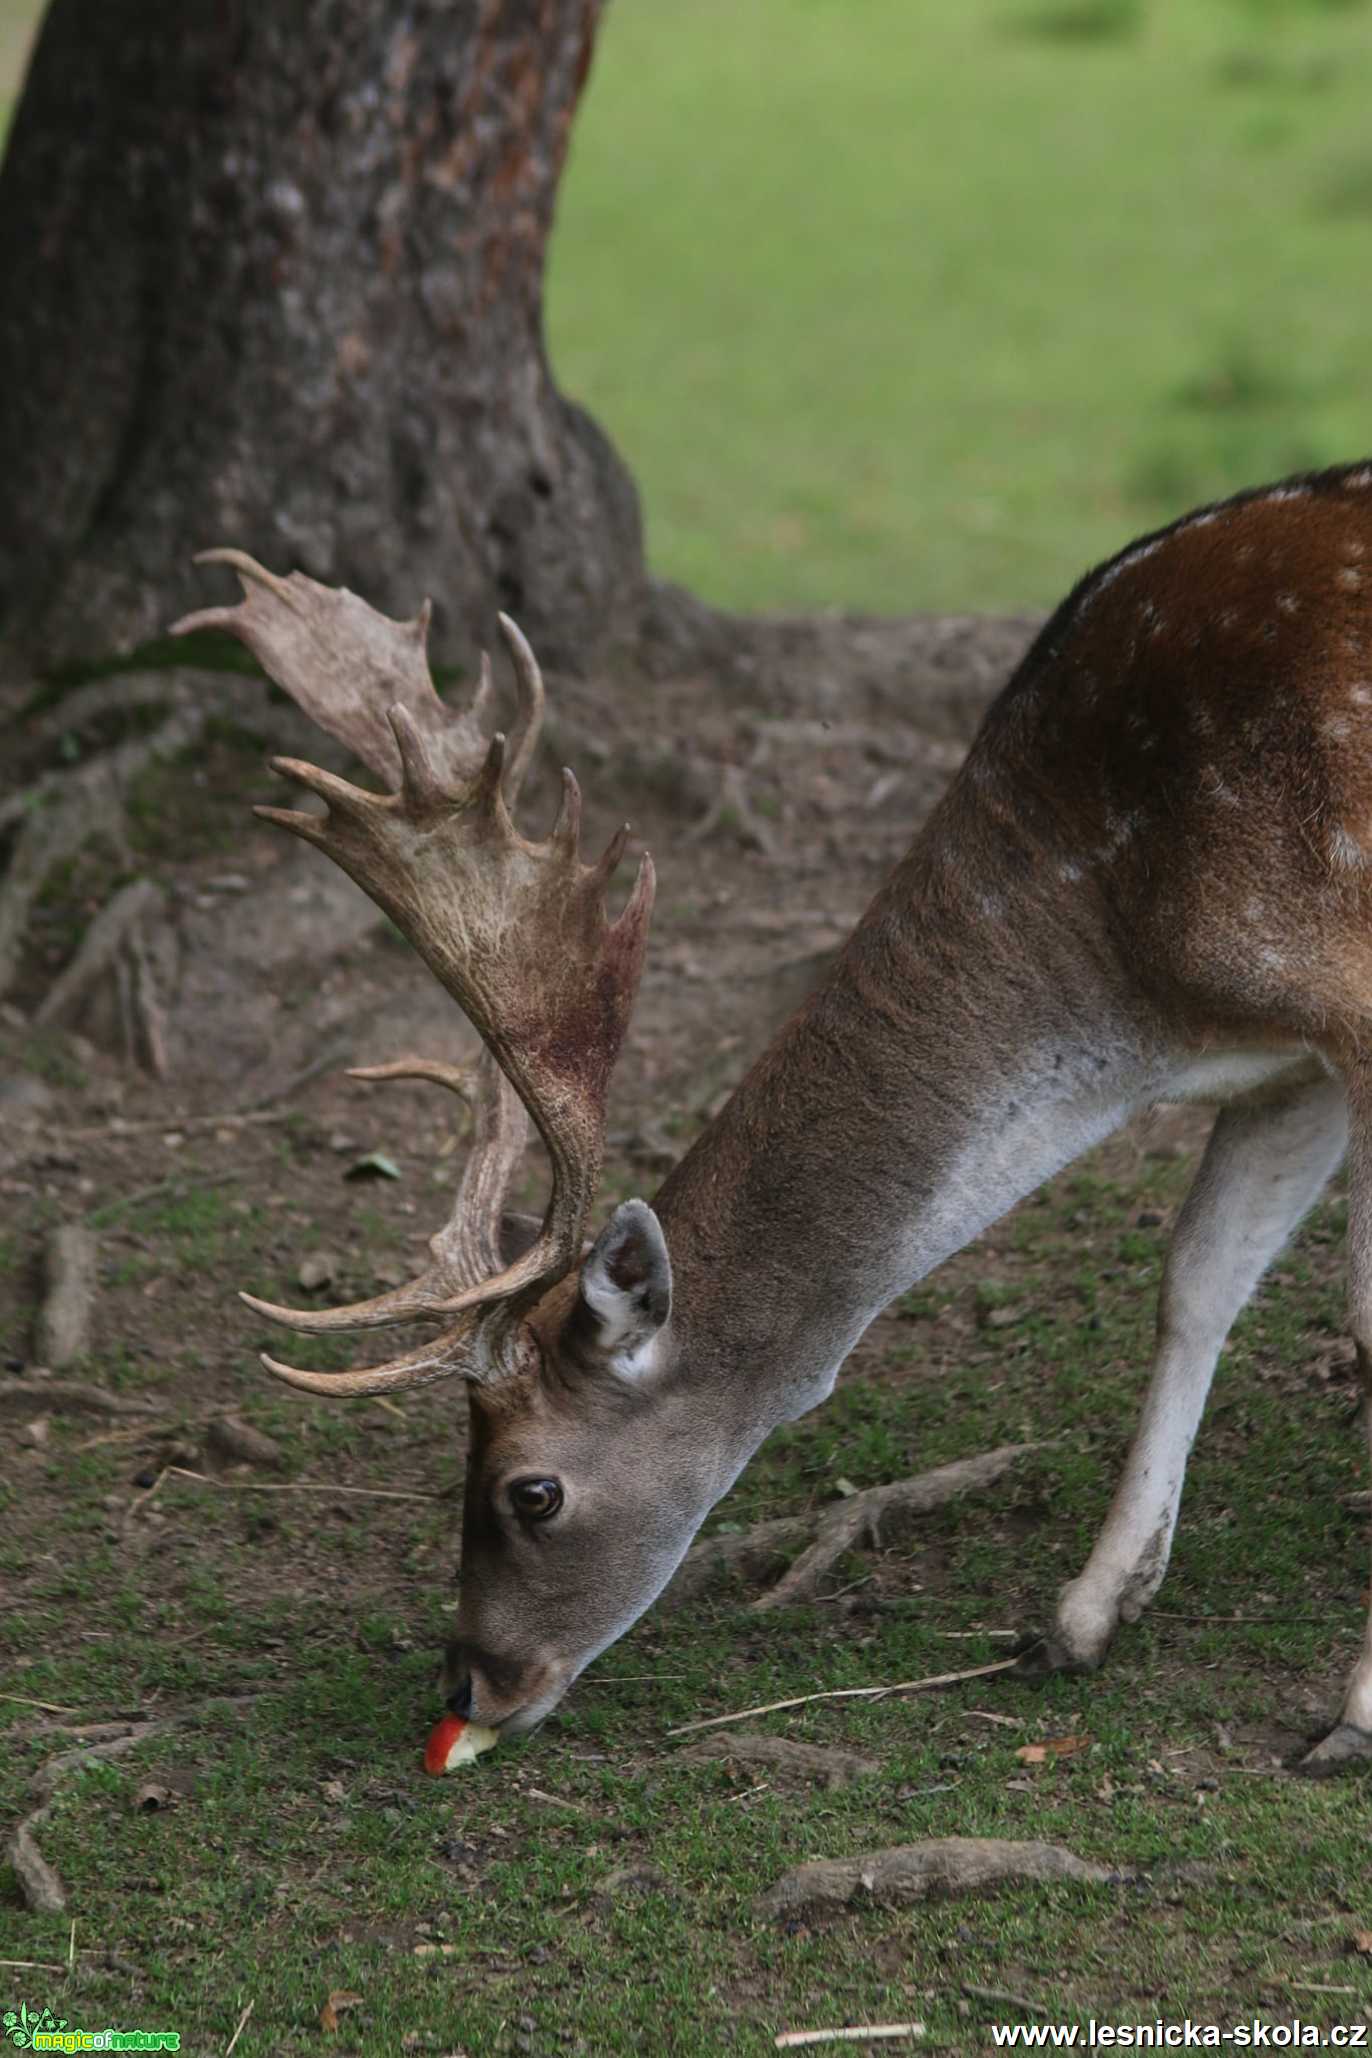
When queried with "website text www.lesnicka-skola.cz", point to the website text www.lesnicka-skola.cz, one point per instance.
{"points": [[1253, 2035]]}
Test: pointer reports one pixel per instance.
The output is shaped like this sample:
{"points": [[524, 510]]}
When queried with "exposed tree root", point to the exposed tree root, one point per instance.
{"points": [[731, 814], [114, 942], [832, 1531], [814, 1762], [61, 812], [123, 694], [40, 1884], [62, 1331], [915, 1872]]}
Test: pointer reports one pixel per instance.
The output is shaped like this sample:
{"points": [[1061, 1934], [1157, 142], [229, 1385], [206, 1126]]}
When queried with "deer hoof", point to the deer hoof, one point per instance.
{"points": [[1342, 1750], [1040, 1655]]}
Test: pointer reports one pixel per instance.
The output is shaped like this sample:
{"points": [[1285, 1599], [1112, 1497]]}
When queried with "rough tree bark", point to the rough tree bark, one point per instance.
{"points": [[273, 275]]}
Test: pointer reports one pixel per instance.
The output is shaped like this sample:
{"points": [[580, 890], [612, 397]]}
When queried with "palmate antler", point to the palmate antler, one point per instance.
{"points": [[517, 932]]}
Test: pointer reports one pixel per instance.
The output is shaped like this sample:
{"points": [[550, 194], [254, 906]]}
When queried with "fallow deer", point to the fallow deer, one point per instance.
{"points": [[1150, 880]]}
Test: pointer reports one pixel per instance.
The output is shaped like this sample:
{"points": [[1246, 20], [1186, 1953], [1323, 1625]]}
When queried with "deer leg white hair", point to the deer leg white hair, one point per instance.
{"points": [[1264, 1166], [1352, 1736]]}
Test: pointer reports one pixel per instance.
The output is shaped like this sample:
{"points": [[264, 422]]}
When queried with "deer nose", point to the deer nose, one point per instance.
{"points": [[459, 1701]]}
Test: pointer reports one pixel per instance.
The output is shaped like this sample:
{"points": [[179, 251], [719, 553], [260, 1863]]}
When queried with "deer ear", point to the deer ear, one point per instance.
{"points": [[625, 1291]]}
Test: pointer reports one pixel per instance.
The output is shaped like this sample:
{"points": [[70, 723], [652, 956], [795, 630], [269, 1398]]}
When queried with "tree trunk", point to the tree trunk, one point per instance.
{"points": [[273, 277]]}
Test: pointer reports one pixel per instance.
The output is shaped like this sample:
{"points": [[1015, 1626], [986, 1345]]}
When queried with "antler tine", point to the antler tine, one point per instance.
{"points": [[532, 701], [485, 690], [347, 666], [447, 1354], [466, 1250], [555, 1037], [469, 1348], [516, 931]]}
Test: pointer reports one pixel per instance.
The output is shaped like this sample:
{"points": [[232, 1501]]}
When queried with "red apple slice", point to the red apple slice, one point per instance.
{"points": [[453, 1742]]}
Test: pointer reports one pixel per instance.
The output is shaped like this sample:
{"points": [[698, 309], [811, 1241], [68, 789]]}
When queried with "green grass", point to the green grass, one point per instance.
{"points": [[913, 306], [307, 1855]]}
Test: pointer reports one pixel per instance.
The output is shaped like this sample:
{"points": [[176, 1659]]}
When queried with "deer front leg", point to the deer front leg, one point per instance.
{"points": [[1350, 1741], [1264, 1166]]}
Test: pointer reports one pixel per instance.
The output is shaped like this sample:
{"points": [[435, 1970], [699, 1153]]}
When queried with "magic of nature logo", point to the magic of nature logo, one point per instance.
{"points": [[38, 2029]]}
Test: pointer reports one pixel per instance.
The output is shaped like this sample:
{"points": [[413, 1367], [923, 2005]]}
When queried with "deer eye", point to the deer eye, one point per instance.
{"points": [[536, 1499]]}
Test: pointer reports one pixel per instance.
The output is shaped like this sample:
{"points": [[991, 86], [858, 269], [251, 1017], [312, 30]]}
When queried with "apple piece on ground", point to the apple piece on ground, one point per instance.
{"points": [[453, 1742]]}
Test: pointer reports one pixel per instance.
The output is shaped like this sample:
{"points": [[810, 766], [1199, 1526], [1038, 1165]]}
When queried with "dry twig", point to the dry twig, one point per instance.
{"points": [[115, 1131], [369, 1493], [793, 2039], [1000, 1997], [852, 1693], [242, 2025]]}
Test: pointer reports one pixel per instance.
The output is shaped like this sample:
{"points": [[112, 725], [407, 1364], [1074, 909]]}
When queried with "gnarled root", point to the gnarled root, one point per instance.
{"points": [[731, 813], [832, 1531], [63, 810], [916, 1872]]}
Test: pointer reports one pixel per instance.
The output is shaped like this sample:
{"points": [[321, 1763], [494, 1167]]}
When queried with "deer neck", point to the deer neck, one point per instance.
{"points": [[967, 1044]]}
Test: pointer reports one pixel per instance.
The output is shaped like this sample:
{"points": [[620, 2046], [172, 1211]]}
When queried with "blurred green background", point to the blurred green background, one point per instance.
{"points": [[896, 304]]}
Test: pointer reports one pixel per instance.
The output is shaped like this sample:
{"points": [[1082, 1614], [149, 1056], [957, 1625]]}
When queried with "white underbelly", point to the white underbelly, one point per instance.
{"points": [[1221, 1075]]}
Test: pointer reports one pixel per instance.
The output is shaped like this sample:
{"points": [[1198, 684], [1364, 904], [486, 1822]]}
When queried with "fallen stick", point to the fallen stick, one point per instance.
{"points": [[792, 2039], [968, 1636], [48, 1707], [69, 1396], [113, 1132], [100, 1217], [852, 1693], [998, 1996], [30, 1965], [370, 1493], [242, 2025], [1167, 1615]]}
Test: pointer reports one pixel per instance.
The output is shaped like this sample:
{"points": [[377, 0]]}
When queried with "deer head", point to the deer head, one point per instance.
{"points": [[585, 1481]]}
